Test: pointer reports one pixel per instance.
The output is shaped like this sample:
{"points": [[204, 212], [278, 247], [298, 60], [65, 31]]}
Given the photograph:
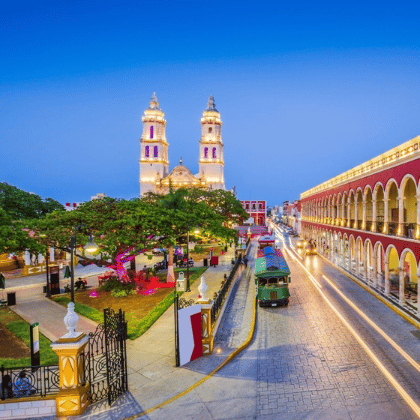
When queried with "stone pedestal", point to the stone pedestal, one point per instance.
{"points": [[207, 334], [72, 398]]}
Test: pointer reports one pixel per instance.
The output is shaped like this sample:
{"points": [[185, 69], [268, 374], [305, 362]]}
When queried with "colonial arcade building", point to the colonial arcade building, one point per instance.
{"points": [[367, 220]]}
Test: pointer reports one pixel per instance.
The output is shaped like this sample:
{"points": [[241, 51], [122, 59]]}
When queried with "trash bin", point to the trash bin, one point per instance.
{"points": [[11, 299], [205, 262]]}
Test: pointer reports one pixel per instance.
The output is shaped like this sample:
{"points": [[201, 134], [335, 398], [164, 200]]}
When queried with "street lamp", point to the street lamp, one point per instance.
{"points": [[90, 247], [188, 257]]}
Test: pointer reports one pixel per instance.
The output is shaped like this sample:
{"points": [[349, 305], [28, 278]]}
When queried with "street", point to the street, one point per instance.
{"points": [[305, 361], [310, 362]]}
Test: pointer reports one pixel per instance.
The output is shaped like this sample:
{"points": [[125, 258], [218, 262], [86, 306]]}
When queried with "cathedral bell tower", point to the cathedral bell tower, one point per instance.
{"points": [[211, 162], [153, 148]]}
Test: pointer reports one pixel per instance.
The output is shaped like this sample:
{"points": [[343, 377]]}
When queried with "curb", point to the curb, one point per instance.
{"points": [[376, 294], [229, 358]]}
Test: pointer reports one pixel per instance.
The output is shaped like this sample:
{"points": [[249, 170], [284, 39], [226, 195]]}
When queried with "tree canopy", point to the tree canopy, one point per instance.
{"points": [[20, 204], [133, 226]]}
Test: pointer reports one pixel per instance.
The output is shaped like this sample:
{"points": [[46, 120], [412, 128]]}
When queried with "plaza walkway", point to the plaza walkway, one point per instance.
{"points": [[153, 377]]}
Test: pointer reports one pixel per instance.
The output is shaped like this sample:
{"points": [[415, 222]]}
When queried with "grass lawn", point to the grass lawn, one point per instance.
{"points": [[140, 311], [15, 342]]}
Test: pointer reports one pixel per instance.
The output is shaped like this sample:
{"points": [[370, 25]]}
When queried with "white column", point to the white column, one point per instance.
{"points": [[375, 271], [400, 230], [52, 254], [348, 212], [401, 285], [40, 259], [27, 257], [387, 285], [386, 206], [373, 215], [356, 212], [364, 213]]}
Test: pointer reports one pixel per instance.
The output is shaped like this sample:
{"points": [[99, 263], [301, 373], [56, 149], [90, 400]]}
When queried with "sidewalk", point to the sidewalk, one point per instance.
{"points": [[152, 375]]}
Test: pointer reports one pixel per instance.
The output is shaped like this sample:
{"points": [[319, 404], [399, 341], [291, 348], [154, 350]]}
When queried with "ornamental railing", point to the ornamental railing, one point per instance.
{"points": [[221, 295], [32, 381]]}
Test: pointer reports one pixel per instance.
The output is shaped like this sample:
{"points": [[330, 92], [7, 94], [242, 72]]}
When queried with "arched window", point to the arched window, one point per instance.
{"points": [[210, 129], [146, 151], [206, 152], [214, 153], [151, 131], [155, 151]]}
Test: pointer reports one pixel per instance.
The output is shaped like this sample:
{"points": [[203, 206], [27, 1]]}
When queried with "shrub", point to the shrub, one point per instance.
{"points": [[118, 293]]}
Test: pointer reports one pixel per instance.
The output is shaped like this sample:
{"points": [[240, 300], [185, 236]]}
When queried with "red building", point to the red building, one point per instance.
{"points": [[367, 220], [257, 210]]}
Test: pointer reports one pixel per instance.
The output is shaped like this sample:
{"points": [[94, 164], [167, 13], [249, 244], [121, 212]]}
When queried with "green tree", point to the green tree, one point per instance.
{"points": [[14, 237], [133, 226], [20, 204]]}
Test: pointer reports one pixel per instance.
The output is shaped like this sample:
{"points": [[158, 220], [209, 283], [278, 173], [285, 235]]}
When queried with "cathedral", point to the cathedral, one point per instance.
{"points": [[154, 163]]}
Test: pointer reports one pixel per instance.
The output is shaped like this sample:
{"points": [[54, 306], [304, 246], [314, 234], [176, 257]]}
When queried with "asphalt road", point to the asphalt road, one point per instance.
{"points": [[311, 364]]}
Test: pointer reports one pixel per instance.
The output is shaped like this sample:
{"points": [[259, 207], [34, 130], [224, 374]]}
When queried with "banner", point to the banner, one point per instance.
{"points": [[190, 343]]}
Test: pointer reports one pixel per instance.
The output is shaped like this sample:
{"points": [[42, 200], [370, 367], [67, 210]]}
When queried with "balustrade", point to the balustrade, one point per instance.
{"points": [[409, 230], [368, 225], [392, 228]]}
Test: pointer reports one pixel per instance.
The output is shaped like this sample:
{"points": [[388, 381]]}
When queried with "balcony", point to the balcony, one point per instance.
{"points": [[392, 228], [409, 230]]}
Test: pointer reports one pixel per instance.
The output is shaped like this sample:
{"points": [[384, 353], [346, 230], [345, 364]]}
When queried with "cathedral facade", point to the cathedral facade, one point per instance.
{"points": [[154, 163]]}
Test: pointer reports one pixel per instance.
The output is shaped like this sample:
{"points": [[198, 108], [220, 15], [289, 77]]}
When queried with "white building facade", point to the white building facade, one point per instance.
{"points": [[154, 162]]}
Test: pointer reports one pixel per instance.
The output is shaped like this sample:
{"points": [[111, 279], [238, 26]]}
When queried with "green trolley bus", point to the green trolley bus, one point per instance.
{"points": [[272, 277]]}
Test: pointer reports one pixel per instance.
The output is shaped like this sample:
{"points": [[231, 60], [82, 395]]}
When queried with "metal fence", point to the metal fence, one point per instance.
{"points": [[218, 301], [29, 381]]}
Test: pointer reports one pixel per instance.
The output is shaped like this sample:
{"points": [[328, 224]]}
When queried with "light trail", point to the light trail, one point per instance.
{"points": [[374, 326], [404, 395]]}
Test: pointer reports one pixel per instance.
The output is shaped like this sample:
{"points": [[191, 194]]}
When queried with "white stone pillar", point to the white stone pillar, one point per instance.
{"points": [[356, 212], [386, 210], [400, 229], [52, 259], [401, 285], [373, 215], [348, 212], [364, 213], [27, 257], [387, 282], [40, 259], [375, 271]]}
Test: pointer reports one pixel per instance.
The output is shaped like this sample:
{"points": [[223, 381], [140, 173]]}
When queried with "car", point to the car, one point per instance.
{"points": [[310, 250], [157, 251], [301, 243]]}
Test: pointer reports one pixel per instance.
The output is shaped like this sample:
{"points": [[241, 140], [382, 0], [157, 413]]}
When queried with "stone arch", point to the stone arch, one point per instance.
{"points": [[409, 193], [391, 208], [379, 211], [368, 208]]}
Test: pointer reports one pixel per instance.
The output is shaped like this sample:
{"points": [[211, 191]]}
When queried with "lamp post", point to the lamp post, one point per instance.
{"points": [[188, 258], [48, 295], [90, 247]]}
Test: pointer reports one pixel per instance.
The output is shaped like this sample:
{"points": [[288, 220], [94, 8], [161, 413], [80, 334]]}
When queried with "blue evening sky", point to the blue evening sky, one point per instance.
{"points": [[306, 90]]}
